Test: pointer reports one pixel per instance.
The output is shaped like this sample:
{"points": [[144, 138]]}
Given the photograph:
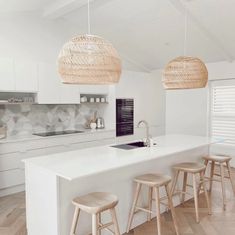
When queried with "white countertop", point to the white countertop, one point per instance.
{"points": [[80, 163], [20, 138]]}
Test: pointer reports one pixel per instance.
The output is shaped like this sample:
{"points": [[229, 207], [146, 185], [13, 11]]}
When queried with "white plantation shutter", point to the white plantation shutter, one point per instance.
{"points": [[223, 111]]}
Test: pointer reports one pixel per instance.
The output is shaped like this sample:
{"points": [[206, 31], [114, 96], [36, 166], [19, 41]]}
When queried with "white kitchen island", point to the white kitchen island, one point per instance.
{"points": [[52, 181]]}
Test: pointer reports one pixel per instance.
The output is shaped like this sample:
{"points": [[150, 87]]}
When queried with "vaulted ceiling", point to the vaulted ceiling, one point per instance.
{"points": [[147, 33]]}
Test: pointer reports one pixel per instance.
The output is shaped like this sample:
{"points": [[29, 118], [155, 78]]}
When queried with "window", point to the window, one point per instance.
{"points": [[223, 110]]}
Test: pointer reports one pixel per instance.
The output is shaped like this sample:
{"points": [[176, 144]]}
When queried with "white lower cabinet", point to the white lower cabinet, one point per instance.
{"points": [[12, 154], [11, 161], [11, 178]]}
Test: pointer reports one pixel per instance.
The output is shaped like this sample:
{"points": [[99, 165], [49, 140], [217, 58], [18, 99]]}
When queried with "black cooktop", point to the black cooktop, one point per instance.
{"points": [[51, 133]]}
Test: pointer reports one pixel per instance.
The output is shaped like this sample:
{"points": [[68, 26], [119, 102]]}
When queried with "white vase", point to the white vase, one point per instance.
{"points": [[93, 125]]}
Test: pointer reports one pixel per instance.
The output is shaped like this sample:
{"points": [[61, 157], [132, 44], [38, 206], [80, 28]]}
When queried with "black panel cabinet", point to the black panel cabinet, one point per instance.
{"points": [[124, 117]]}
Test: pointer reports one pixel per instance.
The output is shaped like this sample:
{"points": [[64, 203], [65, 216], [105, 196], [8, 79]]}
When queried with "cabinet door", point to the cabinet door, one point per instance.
{"points": [[7, 82], [48, 84], [94, 89], [69, 94], [11, 178], [26, 76]]}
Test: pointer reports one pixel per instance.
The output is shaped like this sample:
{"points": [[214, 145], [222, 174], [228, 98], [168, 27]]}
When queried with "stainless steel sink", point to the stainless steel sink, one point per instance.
{"points": [[129, 146], [137, 144]]}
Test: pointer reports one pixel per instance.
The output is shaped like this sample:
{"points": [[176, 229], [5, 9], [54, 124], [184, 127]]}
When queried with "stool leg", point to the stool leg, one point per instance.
{"points": [[157, 195], [222, 185], [212, 175], [94, 224], [98, 218], [115, 222], [175, 179], [195, 197], [202, 179], [205, 191], [75, 221], [206, 162], [172, 209], [136, 196], [184, 187], [230, 176], [200, 183], [150, 200]]}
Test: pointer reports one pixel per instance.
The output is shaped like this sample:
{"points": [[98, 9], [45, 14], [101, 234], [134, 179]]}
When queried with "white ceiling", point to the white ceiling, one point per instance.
{"points": [[147, 33], [22, 5]]}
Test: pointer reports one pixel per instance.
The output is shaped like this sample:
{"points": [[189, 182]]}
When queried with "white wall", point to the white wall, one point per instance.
{"points": [[187, 110], [149, 98]]}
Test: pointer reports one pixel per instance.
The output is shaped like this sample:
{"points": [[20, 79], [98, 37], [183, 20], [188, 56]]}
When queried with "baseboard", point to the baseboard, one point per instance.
{"points": [[12, 190]]}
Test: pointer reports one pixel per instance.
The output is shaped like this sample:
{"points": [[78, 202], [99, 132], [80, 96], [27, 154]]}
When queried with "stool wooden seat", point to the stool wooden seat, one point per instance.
{"points": [[153, 179], [217, 158], [154, 182], [193, 168], [223, 162], [190, 167], [95, 203]]}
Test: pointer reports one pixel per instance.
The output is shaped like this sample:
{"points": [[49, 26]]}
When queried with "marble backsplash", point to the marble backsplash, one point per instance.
{"points": [[23, 119]]}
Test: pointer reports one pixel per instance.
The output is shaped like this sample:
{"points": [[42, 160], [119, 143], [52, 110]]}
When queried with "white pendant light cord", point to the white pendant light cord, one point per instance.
{"points": [[185, 30], [88, 17]]}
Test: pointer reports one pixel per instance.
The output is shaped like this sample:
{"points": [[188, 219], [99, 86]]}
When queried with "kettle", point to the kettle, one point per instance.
{"points": [[100, 123]]}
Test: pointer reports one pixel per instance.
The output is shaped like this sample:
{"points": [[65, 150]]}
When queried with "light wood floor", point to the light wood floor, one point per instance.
{"points": [[12, 217]]}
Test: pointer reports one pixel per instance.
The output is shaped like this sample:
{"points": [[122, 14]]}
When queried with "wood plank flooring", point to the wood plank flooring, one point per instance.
{"points": [[12, 216]]}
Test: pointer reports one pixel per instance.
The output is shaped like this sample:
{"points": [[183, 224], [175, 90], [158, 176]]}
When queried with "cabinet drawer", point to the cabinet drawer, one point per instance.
{"points": [[11, 161], [11, 178]]}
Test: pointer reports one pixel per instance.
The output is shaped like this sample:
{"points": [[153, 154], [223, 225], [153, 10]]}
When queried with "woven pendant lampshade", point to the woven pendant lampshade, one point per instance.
{"points": [[185, 72], [89, 59]]}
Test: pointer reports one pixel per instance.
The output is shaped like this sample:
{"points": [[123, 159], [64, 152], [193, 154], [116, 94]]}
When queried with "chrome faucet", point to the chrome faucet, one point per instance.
{"points": [[148, 137]]}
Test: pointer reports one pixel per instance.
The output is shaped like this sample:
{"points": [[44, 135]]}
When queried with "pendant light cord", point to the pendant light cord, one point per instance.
{"points": [[88, 17], [185, 30]]}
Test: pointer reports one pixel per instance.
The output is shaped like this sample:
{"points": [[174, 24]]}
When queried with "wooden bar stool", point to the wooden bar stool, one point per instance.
{"points": [[222, 162], [154, 182], [94, 204], [194, 169]]}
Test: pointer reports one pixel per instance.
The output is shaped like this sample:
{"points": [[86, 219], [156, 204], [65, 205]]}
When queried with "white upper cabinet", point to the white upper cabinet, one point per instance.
{"points": [[94, 89], [26, 76], [51, 90], [69, 94], [20, 75], [7, 82], [48, 84]]}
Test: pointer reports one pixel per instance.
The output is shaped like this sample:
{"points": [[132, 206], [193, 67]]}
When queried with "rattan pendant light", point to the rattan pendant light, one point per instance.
{"points": [[185, 72], [89, 59]]}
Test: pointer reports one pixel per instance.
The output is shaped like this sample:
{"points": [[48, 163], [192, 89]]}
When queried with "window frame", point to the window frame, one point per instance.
{"points": [[211, 84]]}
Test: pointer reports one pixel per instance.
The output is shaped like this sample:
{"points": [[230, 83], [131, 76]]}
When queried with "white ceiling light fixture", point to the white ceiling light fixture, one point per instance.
{"points": [[89, 59], [185, 72]]}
